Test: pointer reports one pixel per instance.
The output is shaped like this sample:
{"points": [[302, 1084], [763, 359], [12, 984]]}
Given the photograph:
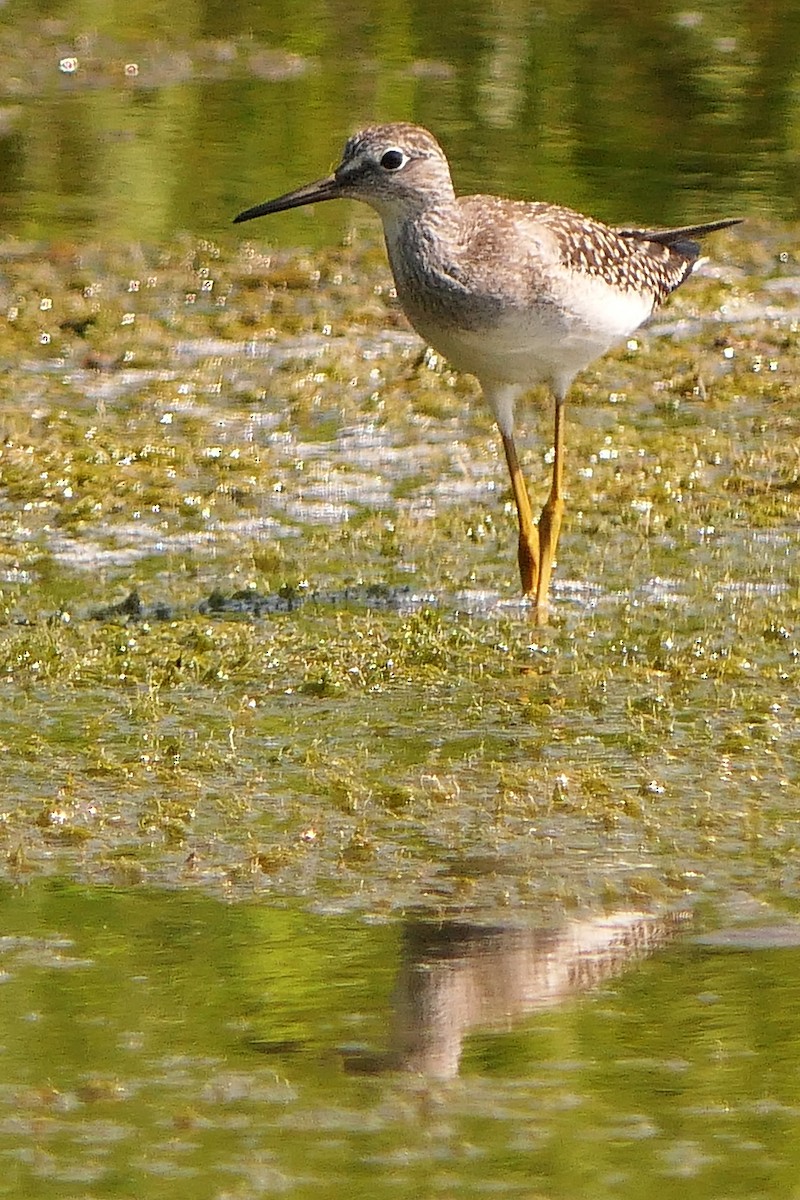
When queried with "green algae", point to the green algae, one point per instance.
{"points": [[261, 630]]}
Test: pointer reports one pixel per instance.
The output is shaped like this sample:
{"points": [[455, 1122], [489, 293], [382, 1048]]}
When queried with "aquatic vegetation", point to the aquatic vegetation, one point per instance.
{"points": [[260, 626]]}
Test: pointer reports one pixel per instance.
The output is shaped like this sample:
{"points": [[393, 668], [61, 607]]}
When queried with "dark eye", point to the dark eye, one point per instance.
{"points": [[393, 160]]}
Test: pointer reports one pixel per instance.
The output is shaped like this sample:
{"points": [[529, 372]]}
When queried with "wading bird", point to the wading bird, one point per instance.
{"points": [[515, 293]]}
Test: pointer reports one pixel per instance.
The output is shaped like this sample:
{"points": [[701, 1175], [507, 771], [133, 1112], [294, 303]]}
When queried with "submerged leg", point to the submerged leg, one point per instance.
{"points": [[529, 571], [550, 520]]}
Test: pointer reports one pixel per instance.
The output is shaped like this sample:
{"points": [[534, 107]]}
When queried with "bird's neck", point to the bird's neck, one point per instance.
{"points": [[428, 237]]}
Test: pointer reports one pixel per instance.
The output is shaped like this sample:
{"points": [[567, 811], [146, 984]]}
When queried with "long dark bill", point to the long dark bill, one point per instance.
{"points": [[311, 193]]}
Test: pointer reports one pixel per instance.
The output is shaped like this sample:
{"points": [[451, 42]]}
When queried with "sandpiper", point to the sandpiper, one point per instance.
{"points": [[515, 293]]}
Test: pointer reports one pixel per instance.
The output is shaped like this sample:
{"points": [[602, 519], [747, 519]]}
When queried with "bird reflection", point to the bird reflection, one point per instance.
{"points": [[456, 977]]}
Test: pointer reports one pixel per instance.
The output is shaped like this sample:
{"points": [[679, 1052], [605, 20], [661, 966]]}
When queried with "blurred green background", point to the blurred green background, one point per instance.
{"points": [[143, 119]]}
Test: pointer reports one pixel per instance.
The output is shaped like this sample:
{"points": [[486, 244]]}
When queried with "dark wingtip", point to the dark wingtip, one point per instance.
{"points": [[682, 241], [673, 237]]}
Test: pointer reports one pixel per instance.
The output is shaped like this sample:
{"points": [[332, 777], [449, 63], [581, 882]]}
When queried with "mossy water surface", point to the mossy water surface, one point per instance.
{"points": [[262, 631]]}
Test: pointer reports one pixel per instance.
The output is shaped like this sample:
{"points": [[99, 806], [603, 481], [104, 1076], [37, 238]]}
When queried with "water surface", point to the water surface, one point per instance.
{"points": [[161, 1040]]}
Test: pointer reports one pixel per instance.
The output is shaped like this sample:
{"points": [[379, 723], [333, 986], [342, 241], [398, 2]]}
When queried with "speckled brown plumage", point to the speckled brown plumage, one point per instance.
{"points": [[621, 258]]}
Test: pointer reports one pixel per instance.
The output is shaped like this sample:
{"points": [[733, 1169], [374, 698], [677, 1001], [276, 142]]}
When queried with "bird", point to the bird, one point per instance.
{"points": [[517, 293]]}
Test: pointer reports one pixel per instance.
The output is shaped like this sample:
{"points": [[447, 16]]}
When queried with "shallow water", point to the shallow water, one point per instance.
{"points": [[155, 1040]]}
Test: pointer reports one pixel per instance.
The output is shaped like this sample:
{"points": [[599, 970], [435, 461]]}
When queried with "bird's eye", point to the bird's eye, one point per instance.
{"points": [[393, 160]]}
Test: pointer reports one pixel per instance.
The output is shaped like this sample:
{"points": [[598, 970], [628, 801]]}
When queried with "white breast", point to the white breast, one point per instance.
{"points": [[549, 342]]}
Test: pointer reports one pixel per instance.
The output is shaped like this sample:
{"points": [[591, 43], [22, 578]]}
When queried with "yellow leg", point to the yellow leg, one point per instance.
{"points": [[550, 519], [528, 536]]}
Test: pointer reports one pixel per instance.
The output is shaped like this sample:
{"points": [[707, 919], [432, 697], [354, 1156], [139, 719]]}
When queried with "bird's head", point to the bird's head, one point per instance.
{"points": [[397, 169]]}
